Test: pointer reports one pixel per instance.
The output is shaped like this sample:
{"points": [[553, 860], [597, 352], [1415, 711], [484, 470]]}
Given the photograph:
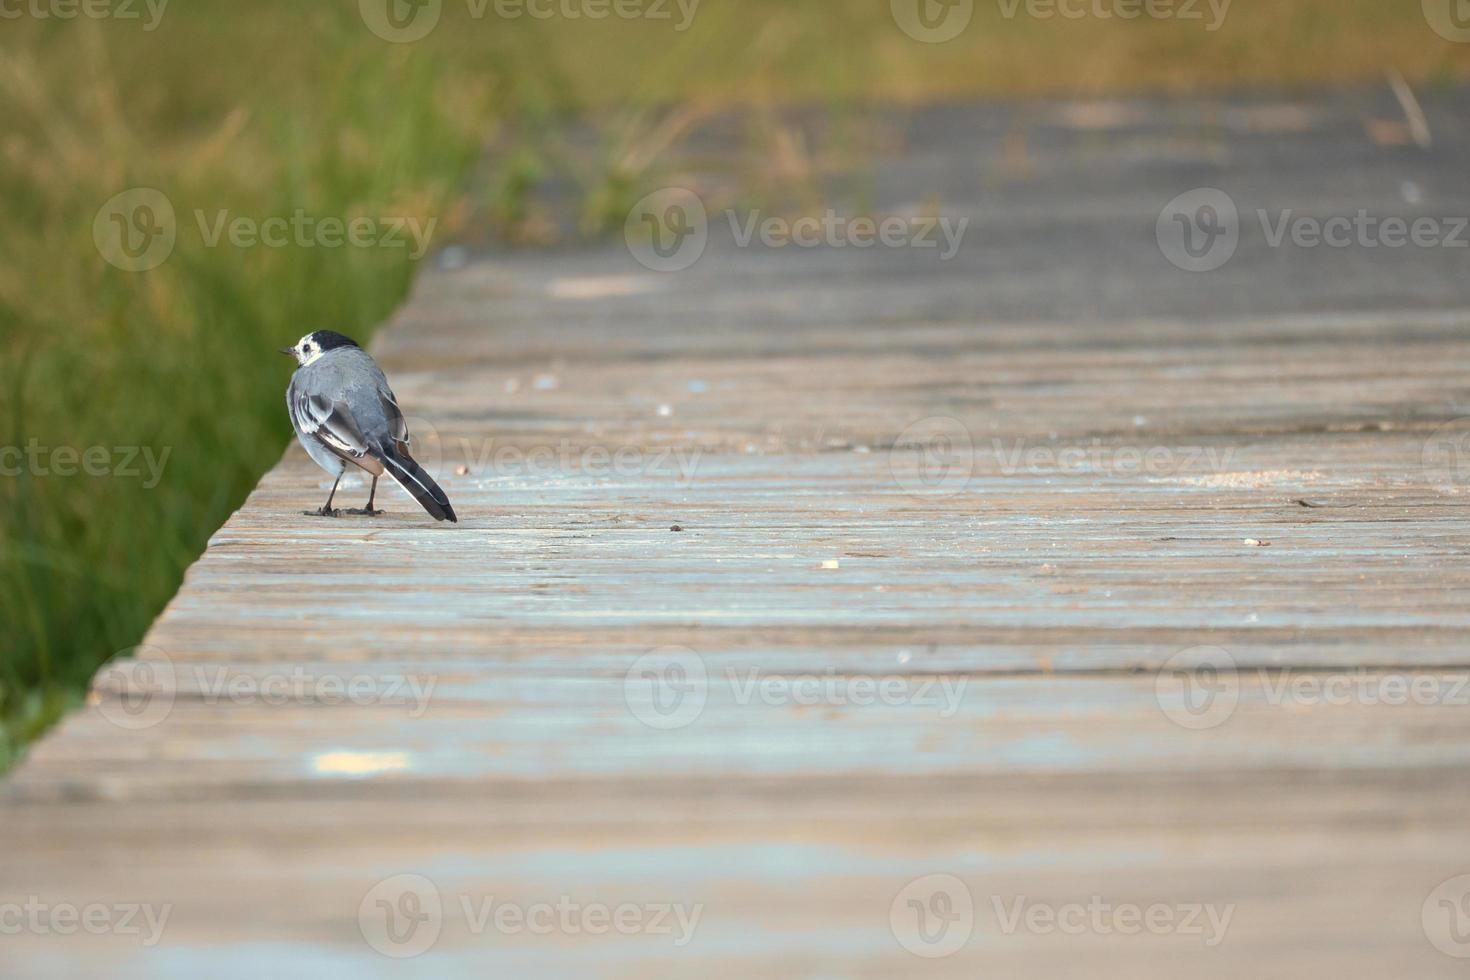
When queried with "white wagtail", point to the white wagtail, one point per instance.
{"points": [[344, 412]]}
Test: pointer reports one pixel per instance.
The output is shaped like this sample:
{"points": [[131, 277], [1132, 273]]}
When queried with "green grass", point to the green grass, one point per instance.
{"points": [[178, 360], [265, 108]]}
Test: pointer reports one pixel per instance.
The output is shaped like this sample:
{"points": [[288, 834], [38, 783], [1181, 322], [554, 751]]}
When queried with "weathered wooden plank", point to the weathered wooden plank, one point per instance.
{"points": [[1037, 743]]}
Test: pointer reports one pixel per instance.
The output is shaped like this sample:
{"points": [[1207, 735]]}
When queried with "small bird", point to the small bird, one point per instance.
{"points": [[344, 412]]}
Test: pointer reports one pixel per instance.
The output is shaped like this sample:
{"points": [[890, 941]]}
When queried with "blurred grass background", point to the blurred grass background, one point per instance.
{"points": [[267, 107]]}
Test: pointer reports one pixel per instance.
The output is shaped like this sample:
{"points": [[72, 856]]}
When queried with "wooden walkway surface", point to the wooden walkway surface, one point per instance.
{"points": [[1179, 691]]}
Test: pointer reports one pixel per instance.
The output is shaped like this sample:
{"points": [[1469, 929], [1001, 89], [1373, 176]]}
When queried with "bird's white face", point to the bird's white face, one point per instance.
{"points": [[306, 350]]}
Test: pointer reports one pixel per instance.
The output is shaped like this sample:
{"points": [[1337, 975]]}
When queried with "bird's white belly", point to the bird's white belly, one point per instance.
{"points": [[323, 456], [334, 464]]}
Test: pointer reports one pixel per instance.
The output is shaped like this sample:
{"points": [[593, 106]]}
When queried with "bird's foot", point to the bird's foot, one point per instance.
{"points": [[365, 512], [322, 512]]}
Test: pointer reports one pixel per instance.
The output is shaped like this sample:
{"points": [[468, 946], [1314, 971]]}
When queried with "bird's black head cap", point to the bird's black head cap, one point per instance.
{"points": [[314, 345], [330, 340]]}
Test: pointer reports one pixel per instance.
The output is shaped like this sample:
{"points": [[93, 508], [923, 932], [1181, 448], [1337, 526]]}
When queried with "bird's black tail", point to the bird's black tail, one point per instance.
{"points": [[411, 477]]}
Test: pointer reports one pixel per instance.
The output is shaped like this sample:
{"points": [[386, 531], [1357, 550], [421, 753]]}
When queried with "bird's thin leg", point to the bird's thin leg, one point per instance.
{"points": [[372, 495], [327, 510]]}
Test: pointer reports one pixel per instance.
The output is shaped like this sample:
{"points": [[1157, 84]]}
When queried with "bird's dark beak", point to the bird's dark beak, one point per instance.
{"points": [[289, 350]]}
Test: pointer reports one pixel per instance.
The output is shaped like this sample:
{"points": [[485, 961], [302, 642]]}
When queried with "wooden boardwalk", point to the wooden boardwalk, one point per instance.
{"points": [[1049, 608]]}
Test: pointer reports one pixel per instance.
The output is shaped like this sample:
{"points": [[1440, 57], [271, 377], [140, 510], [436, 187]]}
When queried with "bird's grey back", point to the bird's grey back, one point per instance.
{"points": [[349, 375]]}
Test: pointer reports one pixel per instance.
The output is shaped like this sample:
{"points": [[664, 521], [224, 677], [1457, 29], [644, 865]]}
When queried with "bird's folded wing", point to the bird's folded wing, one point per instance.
{"points": [[396, 425], [332, 423]]}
